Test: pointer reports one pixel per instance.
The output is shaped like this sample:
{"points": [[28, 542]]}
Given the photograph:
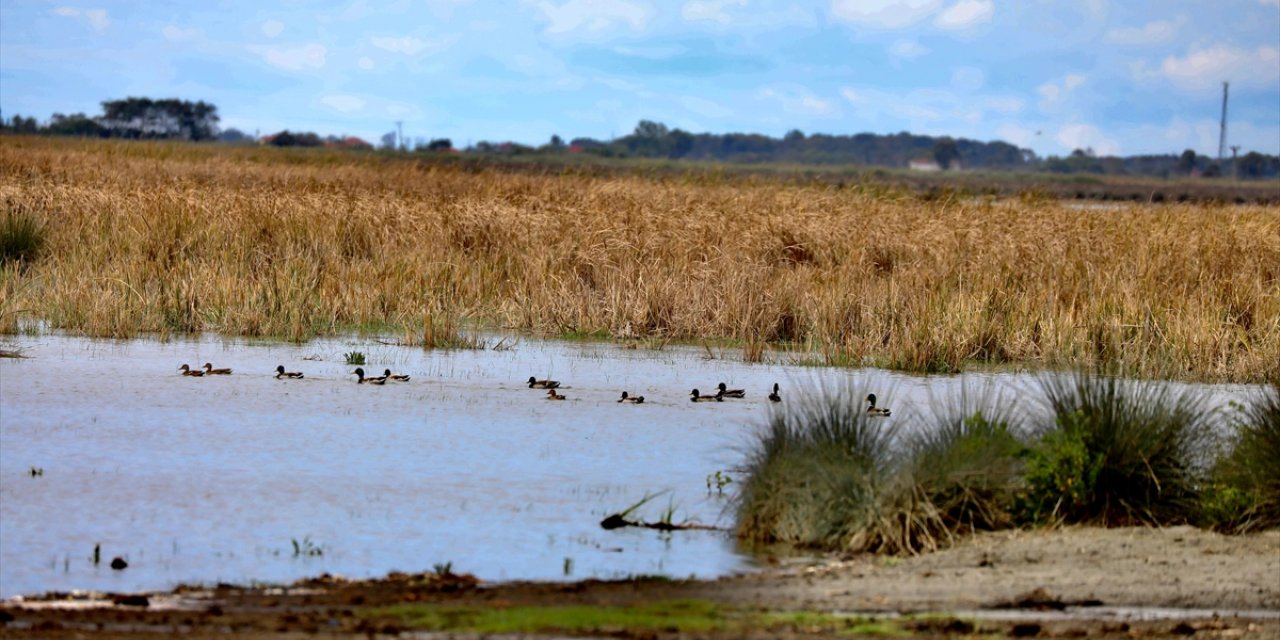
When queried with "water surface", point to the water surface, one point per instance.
{"points": [[204, 480]]}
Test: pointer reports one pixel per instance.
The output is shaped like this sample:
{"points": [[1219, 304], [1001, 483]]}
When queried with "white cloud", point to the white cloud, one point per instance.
{"points": [[801, 101], [1053, 93], [965, 14], [594, 16], [907, 49], [343, 103], [1087, 136], [365, 62], [1204, 69], [97, 19], [177, 34], [968, 79], [308, 56], [883, 14], [705, 108], [272, 28], [709, 10], [407, 45], [1005, 104], [1156, 32]]}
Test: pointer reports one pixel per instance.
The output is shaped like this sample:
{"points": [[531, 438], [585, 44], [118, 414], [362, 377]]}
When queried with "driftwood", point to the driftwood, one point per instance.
{"points": [[616, 521]]}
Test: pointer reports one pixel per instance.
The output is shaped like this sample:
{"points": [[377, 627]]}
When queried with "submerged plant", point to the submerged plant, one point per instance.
{"points": [[306, 548]]}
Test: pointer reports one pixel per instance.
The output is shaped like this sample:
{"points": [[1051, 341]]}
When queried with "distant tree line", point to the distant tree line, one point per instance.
{"points": [[136, 118], [185, 120]]}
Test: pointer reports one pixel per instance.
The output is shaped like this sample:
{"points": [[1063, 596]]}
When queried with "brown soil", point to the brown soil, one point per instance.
{"points": [[1067, 583]]}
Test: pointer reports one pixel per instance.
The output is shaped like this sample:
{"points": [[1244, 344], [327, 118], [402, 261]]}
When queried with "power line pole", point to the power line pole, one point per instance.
{"points": [[1222, 137], [400, 136]]}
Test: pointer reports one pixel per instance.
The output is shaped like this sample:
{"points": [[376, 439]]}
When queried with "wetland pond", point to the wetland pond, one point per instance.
{"points": [[249, 479]]}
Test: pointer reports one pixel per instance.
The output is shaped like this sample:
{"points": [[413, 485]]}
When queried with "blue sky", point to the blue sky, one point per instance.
{"points": [[1053, 75]]}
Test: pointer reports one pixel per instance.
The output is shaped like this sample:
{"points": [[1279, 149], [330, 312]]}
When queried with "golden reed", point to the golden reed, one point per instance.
{"points": [[156, 237]]}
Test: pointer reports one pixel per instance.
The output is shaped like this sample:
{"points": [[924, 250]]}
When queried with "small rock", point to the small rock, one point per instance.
{"points": [[118, 563]]}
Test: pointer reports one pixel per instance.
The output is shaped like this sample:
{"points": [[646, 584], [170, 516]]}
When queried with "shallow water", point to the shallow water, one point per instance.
{"points": [[204, 480]]}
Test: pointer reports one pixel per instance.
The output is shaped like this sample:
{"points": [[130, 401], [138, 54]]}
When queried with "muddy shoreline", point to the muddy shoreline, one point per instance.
{"points": [[1127, 582]]}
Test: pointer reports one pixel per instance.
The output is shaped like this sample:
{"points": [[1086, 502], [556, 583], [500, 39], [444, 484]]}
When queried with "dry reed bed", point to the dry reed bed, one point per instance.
{"points": [[173, 238]]}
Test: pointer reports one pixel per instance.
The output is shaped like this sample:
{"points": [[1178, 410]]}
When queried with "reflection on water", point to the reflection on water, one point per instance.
{"points": [[203, 480]]}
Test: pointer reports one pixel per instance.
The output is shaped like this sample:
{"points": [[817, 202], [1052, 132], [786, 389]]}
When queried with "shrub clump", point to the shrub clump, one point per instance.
{"points": [[1116, 452], [1243, 492], [818, 473]]}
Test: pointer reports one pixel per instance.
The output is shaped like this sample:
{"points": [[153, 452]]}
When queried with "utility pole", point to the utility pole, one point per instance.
{"points": [[1235, 170], [400, 136], [1222, 137]]}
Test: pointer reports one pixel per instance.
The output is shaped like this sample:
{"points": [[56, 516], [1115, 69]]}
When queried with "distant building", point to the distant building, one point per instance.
{"points": [[923, 165]]}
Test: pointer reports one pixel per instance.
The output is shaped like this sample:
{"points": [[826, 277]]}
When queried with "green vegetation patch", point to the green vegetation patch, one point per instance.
{"points": [[667, 615], [672, 616]]}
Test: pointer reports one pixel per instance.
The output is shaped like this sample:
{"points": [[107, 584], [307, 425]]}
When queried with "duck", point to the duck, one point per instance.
{"points": [[552, 395], [535, 383], [188, 371], [281, 373], [774, 397], [210, 371], [360, 379], [399, 377], [731, 393], [872, 409], [631, 399], [697, 397]]}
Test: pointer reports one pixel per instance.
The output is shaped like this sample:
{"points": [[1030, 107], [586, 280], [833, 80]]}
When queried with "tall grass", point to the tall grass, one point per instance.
{"points": [[818, 474], [22, 235], [159, 237], [1244, 491], [1115, 451]]}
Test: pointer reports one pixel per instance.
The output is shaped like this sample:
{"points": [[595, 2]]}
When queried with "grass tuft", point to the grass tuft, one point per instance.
{"points": [[1244, 491], [816, 475], [22, 234], [1116, 452]]}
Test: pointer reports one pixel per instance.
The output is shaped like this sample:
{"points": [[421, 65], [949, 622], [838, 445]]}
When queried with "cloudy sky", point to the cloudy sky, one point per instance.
{"points": [[1121, 77]]}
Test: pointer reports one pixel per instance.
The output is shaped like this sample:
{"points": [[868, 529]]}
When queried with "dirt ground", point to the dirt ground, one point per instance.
{"points": [[1076, 582]]}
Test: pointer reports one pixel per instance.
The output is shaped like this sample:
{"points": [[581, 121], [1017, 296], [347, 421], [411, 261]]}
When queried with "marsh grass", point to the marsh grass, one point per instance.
{"points": [[818, 474], [161, 237], [1115, 452], [685, 616], [963, 469], [22, 235], [1243, 493]]}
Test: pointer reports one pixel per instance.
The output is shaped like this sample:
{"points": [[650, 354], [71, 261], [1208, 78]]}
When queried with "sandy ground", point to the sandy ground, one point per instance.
{"points": [[1077, 582]]}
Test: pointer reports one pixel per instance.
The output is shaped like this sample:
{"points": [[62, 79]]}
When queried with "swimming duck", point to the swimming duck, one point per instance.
{"points": [[188, 371], [552, 395], [731, 393], [281, 373], [399, 377], [697, 397], [209, 370], [774, 397], [535, 383], [360, 379], [631, 399], [872, 410]]}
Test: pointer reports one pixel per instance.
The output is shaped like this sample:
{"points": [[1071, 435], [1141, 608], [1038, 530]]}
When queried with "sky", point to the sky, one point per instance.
{"points": [[1118, 77]]}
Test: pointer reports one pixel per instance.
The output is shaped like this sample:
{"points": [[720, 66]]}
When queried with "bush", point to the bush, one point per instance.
{"points": [[1116, 452], [960, 474], [1244, 491], [818, 473]]}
